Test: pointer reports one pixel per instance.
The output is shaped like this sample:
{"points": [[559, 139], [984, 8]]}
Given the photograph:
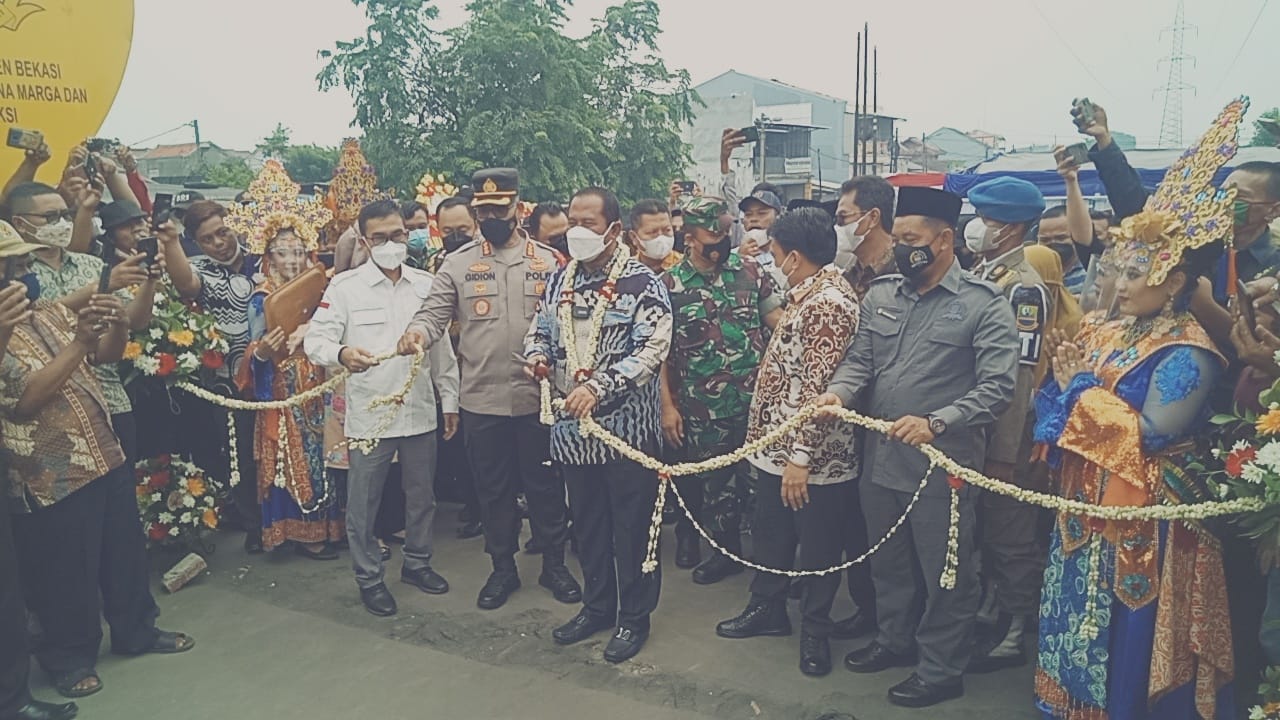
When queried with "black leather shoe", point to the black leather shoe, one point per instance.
{"points": [[470, 530], [688, 551], [253, 543], [758, 619], [561, 583], [625, 644], [716, 568], [36, 710], [815, 655], [916, 693], [378, 600], [426, 580], [497, 589], [854, 626], [582, 626], [875, 658]]}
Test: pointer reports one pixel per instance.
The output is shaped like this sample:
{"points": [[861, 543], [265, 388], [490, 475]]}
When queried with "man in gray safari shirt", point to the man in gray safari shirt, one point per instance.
{"points": [[936, 353]]}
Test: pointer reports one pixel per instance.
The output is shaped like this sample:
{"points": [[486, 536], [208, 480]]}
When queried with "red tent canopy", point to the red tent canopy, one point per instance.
{"points": [[934, 180]]}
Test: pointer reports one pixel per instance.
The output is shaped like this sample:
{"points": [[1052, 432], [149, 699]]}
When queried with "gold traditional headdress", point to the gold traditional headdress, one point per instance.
{"points": [[272, 203], [354, 185], [1187, 212]]}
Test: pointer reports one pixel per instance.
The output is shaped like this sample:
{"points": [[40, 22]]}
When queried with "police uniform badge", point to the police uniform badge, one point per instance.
{"points": [[1030, 309], [482, 307]]}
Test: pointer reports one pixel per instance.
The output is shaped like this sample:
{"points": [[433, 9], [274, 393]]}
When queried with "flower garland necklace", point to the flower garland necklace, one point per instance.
{"points": [[581, 371]]}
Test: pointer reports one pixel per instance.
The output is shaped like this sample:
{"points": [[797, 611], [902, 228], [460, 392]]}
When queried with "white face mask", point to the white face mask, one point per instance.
{"points": [[389, 255], [54, 235], [760, 235], [658, 248], [847, 241], [586, 244], [976, 237]]}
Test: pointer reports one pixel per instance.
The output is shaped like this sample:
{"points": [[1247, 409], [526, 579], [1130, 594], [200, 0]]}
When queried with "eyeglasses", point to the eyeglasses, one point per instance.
{"points": [[52, 216], [397, 236]]}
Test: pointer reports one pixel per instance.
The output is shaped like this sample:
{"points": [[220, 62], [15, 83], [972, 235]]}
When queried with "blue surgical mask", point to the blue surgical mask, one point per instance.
{"points": [[418, 240]]}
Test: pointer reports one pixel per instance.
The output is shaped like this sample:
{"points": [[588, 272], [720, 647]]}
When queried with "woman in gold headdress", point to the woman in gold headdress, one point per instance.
{"points": [[298, 500], [1133, 614]]}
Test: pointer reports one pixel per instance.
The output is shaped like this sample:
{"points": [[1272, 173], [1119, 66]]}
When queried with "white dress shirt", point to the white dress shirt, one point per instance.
{"points": [[363, 309]]}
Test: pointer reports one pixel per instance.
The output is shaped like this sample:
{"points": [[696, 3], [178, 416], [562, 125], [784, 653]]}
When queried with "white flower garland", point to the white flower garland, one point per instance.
{"points": [[937, 460], [579, 370], [365, 445], [952, 564]]}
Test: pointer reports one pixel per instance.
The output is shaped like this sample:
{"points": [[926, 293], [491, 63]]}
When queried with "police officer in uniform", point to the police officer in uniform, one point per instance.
{"points": [[492, 286], [1012, 559], [936, 353]]}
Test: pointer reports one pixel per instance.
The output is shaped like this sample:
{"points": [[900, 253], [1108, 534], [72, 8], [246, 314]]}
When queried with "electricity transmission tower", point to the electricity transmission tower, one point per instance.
{"points": [[1171, 120]]}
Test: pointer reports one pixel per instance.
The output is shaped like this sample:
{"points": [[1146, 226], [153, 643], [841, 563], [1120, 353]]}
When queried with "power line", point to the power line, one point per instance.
{"points": [[1067, 45], [166, 132], [1171, 118], [1239, 50]]}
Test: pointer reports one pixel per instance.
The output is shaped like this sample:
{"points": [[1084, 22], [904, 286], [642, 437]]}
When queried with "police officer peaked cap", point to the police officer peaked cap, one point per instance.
{"points": [[495, 186]]}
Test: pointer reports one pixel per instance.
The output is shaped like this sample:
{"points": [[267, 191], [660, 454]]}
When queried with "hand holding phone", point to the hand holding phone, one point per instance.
{"points": [[1078, 153], [751, 134], [150, 247], [108, 258], [161, 210], [29, 140]]}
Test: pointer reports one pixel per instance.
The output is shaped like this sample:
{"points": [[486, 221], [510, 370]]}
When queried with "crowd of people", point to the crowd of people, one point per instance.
{"points": [[1052, 348]]}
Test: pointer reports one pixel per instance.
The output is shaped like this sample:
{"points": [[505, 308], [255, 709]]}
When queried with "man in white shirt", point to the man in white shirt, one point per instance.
{"points": [[362, 316]]}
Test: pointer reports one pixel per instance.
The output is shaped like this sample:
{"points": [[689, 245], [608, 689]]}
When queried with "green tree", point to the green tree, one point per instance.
{"points": [[310, 163], [276, 144], [1266, 134], [510, 87], [230, 173]]}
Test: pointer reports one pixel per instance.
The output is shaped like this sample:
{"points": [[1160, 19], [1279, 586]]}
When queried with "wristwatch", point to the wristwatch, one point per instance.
{"points": [[937, 425]]}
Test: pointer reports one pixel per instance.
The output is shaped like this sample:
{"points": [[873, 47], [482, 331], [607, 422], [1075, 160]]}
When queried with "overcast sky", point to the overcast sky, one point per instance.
{"points": [[1007, 66]]}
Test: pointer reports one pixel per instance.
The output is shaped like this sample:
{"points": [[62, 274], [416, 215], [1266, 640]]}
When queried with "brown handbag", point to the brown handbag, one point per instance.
{"points": [[291, 305]]}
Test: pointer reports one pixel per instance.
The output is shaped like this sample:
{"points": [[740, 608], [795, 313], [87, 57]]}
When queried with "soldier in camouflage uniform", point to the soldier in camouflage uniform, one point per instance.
{"points": [[721, 306]]}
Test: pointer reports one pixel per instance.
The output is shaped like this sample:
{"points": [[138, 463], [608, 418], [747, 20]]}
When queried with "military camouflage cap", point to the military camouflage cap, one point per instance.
{"points": [[704, 212]]}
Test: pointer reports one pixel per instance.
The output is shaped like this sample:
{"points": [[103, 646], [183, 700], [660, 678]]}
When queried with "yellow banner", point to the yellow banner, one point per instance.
{"points": [[61, 63]]}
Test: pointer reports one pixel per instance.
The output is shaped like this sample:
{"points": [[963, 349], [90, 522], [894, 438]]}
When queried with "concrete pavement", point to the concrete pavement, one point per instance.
{"points": [[281, 636]]}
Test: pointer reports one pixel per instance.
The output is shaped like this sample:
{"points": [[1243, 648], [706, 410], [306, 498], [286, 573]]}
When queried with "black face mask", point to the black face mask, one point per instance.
{"points": [[560, 243], [912, 261], [1066, 251], [498, 230], [455, 240], [679, 245], [719, 252]]}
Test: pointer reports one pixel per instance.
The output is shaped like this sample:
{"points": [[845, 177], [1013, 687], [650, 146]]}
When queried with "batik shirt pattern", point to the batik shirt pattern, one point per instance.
{"points": [[810, 340], [634, 340]]}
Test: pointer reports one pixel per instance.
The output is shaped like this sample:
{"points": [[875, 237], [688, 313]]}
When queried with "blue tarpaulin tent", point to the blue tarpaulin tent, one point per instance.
{"points": [[1040, 169]]}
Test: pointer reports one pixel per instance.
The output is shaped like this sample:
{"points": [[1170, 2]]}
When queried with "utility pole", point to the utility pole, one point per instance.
{"points": [[857, 113], [875, 112], [1171, 119], [760, 134], [866, 52]]}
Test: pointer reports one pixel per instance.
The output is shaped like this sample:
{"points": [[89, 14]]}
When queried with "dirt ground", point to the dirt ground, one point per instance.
{"points": [[280, 636]]}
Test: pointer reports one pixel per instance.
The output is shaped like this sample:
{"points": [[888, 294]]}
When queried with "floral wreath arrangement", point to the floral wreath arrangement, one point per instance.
{"points": [[1269, 690], [1247, 465], [433, 190], [181, 344], [178, 502]]}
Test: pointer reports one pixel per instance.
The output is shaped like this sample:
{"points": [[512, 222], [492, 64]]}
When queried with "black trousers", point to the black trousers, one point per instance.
{"points": [[819, 528], [856, 542], [91, 539], [612, 508], [15, 658], [507, 453]]}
